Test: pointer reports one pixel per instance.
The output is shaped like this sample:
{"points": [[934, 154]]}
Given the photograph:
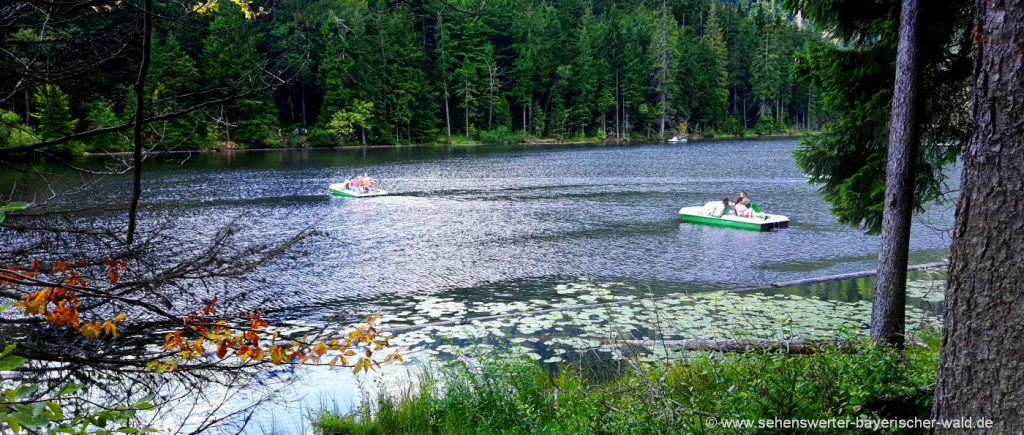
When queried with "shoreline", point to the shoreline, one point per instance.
{"points": [[421, 145]]}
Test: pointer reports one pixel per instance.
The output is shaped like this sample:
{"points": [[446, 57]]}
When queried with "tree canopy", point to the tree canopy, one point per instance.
{"points": [[428, 69], [854, 71]]}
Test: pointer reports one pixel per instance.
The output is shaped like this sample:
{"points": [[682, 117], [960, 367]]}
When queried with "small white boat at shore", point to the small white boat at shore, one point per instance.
{"points": [[677, 139]]}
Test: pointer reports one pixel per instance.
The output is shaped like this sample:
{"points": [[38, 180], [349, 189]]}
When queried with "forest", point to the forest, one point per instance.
{"points": [[328, 72], [194, 292]]}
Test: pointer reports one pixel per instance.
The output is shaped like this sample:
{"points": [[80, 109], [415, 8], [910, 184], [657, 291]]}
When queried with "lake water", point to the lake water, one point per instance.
{"points": [[490, 231], [478, 223]]}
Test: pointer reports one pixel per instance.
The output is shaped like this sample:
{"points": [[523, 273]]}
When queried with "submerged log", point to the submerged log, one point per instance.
{"points": [[736, 346], [852, 275]]}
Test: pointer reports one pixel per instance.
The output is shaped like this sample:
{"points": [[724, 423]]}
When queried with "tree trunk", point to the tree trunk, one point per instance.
{"points": [[492, 70], [618, 124], [447, 114], [887, 309], [28, 108], [303, 88], [743, 114], [981, 370], [140, 105]]}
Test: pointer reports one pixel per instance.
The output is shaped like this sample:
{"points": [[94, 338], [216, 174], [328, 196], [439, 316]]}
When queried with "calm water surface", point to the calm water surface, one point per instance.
{"points": [[471, 232], [513, 222]]}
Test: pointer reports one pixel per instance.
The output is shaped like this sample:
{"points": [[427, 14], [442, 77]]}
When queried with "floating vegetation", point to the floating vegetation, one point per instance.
{"points": [[589, 316]]}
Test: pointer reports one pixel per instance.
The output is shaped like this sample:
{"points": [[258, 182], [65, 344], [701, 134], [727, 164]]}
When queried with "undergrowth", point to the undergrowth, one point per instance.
{"points": [[502, 394]]}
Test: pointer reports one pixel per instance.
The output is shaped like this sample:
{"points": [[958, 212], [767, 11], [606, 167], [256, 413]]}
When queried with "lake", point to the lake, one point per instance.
{"points": [[471, 232]]}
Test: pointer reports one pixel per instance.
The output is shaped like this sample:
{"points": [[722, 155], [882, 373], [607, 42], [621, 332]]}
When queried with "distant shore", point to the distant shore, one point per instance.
{"points": [[540, 142]]}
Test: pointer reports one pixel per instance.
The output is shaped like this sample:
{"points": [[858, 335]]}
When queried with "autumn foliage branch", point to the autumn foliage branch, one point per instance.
{"points": [[58, 295]]}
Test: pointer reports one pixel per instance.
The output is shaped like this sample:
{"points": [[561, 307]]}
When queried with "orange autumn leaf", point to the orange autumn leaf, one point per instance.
{"points": [[222, 350]]}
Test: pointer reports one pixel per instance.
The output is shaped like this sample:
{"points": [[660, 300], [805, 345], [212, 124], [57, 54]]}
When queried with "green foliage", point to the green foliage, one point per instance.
{"points": [[4, 210], [174, 72], [23, 406], [12, 132], [53, 112], [502, 394], [765, 126], [550, 69], [321, 137], [54, 116], [230, 51], [344, 122], [99, 114], [502, 135], [848, 158]]}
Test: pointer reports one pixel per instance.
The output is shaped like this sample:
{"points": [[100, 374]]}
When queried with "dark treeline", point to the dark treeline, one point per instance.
{"points": [[370, 72]]}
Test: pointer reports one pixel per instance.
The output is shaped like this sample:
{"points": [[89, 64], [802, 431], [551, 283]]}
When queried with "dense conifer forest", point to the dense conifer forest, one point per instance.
{"points": [[326, 72]]}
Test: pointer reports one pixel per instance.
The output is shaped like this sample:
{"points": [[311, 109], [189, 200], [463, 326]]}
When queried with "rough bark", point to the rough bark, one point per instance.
{"points": [[887, 309], [981, 370], [140, 106]]}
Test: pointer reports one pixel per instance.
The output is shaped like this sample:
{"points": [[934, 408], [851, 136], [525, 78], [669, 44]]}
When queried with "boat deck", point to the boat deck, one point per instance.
{"points": [[339, 189], [698, 215]]}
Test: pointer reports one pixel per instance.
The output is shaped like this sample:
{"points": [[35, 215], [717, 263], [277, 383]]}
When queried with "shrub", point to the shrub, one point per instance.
{"points": [[319, 137], [765, 126], [502, 135]]}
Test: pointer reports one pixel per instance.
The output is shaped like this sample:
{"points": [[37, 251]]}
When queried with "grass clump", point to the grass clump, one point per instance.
{"points": [[496, 394]]}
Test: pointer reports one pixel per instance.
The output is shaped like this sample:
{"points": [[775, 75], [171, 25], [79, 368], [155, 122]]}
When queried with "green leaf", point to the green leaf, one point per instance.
{"points": [[13, 423], [14, 206], [55, 410], [4, 307], [11, 362], [25, 418], [10, 347], [27, 390], [71, 387]]}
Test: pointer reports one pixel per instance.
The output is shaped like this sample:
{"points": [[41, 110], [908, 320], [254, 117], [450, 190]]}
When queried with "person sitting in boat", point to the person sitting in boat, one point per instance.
{"points": [[742, 207], [722, 208], [353, 184], [364, 183], [742, 199]]}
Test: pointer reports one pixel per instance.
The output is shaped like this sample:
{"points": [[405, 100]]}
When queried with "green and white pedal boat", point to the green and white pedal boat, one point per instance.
{"points": [[340, 189], [764, 222]]}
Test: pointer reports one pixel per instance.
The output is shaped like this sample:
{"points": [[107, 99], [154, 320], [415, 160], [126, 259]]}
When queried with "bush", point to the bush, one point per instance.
{"points": [[502, 135], [319, 137], [732, 126], [765, 126]]}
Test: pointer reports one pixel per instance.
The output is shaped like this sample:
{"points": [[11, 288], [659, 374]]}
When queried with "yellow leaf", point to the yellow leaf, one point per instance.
{"points": [[320, 349]]}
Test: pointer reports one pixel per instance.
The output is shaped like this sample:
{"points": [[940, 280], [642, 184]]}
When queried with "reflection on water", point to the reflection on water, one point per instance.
{"points": [[592, 320], [476, 236], [475, 222]]}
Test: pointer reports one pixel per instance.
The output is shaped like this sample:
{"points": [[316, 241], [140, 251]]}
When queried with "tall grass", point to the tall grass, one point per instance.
{"points": [[502, 394]]}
